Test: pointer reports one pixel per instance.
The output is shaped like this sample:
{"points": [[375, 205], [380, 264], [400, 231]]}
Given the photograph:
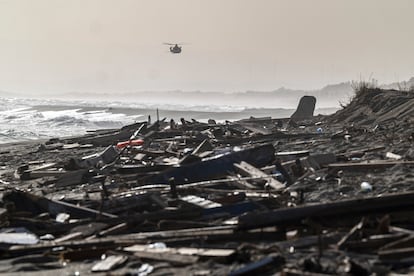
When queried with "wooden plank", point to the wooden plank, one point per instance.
{"points": [[351, 234], [294, 154], [202, 252], [203, 147], [374, 242], [192, 232], [206, 252], [71, 146], [401, 243], [373, 164], [216, 182], [224, 233], [81, 244], [43, 167], [68, 237], [248, 194], [396, 229], [54, 207], [38, 174], [360, 152], [167, 257], [266, 138], [109, 263], [113, 230], [297, 272], [354, 207], [396, 254], [200, 202], [26, 173], [248, 170], [230, 210]]}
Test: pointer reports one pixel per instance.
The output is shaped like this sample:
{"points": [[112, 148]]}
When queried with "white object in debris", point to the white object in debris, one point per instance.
{"points": [[366, 187], [62, 217], [394, 156]]}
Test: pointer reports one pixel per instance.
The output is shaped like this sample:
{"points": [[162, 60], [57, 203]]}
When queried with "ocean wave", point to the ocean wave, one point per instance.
{"points": [[21, 120]]}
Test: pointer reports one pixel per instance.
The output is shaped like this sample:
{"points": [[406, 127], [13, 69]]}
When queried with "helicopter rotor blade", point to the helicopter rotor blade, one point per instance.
{"points": [[179, 44]]}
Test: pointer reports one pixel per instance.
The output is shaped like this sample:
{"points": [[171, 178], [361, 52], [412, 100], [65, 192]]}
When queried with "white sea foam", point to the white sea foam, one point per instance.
{"points": [[20, 120]]}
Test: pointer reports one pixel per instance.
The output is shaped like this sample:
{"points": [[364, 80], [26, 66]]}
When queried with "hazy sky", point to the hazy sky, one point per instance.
{"points": [[231, 45]]}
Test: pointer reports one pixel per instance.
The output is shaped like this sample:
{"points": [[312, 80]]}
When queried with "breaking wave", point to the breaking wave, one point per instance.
{"points": [[22, 119]]}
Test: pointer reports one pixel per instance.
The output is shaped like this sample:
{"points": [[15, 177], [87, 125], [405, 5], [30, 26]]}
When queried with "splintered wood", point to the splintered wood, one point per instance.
{"points": [[259, 196]]}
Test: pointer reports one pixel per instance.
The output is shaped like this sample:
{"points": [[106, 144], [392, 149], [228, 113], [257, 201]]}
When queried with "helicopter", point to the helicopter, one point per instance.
{"points": [[174, 49]]}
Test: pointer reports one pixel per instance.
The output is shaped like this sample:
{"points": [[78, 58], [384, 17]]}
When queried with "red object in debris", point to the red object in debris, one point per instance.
{"points": [[137, 142]]}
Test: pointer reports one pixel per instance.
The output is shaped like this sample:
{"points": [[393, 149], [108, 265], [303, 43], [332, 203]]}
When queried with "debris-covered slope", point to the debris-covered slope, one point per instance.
{"points": [[377, 106]]}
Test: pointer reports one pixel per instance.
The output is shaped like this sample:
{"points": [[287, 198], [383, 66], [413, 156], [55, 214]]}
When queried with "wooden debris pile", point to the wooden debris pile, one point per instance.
{"points": [[255, 196]]}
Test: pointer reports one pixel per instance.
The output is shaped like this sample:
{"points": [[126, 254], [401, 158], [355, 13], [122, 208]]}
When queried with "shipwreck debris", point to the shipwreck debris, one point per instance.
{"points": [[233, 198]]}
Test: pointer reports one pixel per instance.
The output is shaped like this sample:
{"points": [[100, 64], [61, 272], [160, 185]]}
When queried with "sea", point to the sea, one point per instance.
{"points": [[24, 119]]}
